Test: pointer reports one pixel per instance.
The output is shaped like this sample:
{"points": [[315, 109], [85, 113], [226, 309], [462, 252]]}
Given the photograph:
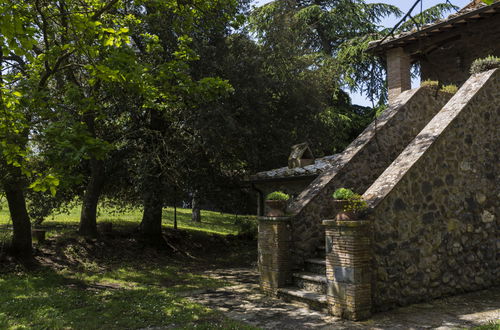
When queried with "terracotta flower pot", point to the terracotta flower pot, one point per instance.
{"points": [[276, 208], [339, 207]]}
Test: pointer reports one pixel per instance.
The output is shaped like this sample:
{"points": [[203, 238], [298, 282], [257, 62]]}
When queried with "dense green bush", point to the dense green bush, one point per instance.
{"points": [[343, 193], [451, 89], [485, 64], [429, 83], [277, 196]]}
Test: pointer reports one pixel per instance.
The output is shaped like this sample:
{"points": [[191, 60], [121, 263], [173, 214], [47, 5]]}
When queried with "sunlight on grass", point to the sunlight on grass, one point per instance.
{"points": [[212, 222], [128, 297], [115, 292], [492, 325], [55, 301]]}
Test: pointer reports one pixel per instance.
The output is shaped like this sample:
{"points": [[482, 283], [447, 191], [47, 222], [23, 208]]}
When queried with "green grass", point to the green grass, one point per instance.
{"points": [[211, 222], [492, 325], [125, 298], [117, 283]]}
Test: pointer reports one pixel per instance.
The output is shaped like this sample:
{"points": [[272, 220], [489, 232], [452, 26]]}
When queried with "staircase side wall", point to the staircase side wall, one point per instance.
{"points": [[361, 163], [436, 209]]}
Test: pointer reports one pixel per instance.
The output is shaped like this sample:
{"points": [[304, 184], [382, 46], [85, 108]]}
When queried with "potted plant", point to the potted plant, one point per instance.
{"points": [[276, 203], [347, 204]]}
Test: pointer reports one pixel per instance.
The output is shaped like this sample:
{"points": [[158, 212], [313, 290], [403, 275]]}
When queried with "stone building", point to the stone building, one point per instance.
{"points": [[428, 169]]}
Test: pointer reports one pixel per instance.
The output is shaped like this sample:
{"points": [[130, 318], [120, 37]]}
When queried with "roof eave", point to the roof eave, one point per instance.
{"points": [[380, 48]]}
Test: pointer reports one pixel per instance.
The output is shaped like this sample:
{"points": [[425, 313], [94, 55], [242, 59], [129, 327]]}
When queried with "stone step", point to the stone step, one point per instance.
{"points": [[312, 300], [315, 265], [310, 282], [321, 251]]}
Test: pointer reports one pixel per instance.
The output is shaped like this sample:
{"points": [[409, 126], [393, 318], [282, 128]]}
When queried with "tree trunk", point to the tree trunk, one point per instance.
{"points": [[153, 206], [21, 239], [88, 217], [195, 206]]}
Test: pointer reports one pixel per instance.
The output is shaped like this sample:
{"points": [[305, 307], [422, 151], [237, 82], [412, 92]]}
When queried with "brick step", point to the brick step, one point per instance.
{"points": [[310, 282], [315, 265], [312, 300]]}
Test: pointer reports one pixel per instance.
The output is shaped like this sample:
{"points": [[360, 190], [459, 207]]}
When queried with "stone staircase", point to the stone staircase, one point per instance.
{"points": [[309, 285]]}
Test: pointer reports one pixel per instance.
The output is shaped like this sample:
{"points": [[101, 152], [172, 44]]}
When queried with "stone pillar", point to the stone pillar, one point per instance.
{"points": [[275, 236], [398, 72], [348, 268]]}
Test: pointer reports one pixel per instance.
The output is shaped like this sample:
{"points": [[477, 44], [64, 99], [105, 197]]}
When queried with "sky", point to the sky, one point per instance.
{"points": [[404, 5]]}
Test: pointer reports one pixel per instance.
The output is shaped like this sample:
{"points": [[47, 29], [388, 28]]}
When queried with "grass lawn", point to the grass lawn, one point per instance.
{"points": [[114, 282], [495, 325], [211, 222]]}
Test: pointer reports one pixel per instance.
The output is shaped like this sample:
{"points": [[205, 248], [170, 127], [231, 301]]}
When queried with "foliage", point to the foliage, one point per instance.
{"points": [[302, 85], [213, 222], [364, 72], [137, 287], [492, 325], [485, 64], [450, 89], [428, 16], [35, 58], [380, 109], [335, 33], [488, 2], [343, 194], [355, 202], [277, 196], [429, 83]]}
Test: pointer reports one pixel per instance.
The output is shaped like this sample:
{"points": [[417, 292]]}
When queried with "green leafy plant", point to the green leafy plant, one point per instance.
{"points": [[277, 196], [355, 202], [343, 194], [450, 89], [485, 64], [429, 83]]}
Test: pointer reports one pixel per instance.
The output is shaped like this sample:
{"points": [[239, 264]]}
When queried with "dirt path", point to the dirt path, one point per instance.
{"points": [[243, 301]]}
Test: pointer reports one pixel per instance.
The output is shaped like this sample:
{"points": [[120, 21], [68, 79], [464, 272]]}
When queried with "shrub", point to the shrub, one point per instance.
{"points": [[355, 202], [277, 196], [343, 193], [429, 83], [485, 64], [451, 89]]}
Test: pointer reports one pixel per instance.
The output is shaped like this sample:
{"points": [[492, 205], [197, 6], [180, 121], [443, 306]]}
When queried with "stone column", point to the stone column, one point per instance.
{"points": [[398, 72], [348, 268], [275, 236]]}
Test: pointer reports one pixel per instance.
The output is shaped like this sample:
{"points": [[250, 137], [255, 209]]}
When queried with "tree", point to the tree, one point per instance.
{"points": [[41, 44], [164, 40], [342, 29]]}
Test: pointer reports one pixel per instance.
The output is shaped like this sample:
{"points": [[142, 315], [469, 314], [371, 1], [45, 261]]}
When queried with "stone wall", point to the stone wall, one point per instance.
{"points": [[450, 62], [436, 209], [361, 163]]}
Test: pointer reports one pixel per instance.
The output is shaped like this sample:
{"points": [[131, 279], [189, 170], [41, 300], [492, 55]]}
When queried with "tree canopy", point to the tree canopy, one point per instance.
{"points": [[148, 102]]}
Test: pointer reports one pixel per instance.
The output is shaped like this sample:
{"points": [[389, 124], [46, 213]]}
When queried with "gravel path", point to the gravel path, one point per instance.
{"points": [[242, 301]]}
